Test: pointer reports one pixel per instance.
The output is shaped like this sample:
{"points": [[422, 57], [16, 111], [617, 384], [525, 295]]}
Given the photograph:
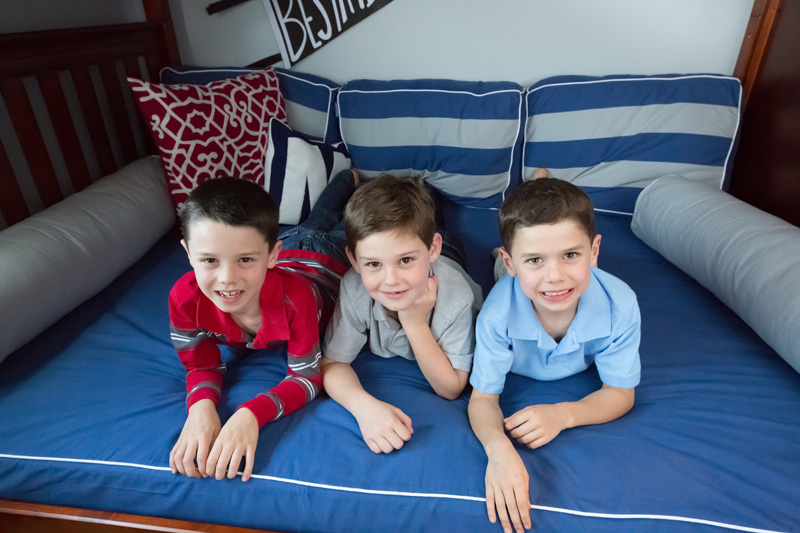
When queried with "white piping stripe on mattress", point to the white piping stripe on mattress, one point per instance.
{"points": [[411, 494], [648, 78], [613, 212]]}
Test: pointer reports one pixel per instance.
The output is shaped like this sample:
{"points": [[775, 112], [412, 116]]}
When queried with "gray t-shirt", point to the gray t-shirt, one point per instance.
{"points": [[358, 319]]}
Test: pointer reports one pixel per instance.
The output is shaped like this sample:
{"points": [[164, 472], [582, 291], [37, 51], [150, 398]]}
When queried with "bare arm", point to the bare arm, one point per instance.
{"points": [[506, 477], [384, 427], [447, 382], [536, 425]]}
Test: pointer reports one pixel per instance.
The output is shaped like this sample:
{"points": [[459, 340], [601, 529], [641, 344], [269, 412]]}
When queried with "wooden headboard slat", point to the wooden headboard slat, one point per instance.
{"points": [[76, 89], [28, 54], [12, 203], [133, 69], [94, 119], [58, 109], [30, 137], [119, 113]]}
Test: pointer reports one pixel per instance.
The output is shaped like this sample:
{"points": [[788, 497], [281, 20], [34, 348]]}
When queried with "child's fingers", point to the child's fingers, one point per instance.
{"points": [[213, 460], [524, 506], [175, 452], [531, 426], [490, 504], [236, 460], [500, 505], [373, 445], [406, 420], [222, 463], [202, 458], [514, 512], [248, 464], [188, 460]]}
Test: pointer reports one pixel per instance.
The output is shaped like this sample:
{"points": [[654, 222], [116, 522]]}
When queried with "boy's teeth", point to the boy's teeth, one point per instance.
{"points": [[229, 294], [555, 293]]}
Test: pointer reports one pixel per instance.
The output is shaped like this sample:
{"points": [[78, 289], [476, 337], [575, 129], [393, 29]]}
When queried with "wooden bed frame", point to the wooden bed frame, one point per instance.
{"points": [[96, 59]]}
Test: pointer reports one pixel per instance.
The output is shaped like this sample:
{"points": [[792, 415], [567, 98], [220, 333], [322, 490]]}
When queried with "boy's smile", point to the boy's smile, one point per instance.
{"points": [[230, 263], [394, 267], [553, 262]]}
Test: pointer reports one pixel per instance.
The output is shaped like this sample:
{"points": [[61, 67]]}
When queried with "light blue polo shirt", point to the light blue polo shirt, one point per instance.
{"points": [[605, 331]]}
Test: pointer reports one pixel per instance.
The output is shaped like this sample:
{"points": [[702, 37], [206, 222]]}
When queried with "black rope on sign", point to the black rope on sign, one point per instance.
{"points": [[222, 5], [266, 62]]}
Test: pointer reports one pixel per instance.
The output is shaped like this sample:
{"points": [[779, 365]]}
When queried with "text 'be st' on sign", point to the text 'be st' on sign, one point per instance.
{"points": [[304, 26]]}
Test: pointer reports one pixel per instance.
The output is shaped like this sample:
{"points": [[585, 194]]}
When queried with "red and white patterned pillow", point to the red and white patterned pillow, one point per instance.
{"points": [[207, 131]]}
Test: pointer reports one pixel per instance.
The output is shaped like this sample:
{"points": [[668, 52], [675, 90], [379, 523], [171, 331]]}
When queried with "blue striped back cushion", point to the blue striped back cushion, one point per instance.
{"points": [[629, 130], [310, 100], [464, 138]]}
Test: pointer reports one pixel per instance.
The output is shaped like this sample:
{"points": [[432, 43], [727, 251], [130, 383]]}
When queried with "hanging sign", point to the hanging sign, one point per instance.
{"points": [[304, 26]]}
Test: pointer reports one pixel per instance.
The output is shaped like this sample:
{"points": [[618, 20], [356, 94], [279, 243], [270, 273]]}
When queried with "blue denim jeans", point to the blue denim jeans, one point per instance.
{"points": [[323, 230]]}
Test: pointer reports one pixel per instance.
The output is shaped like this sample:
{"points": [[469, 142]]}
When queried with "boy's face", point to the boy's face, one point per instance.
{"points": [[230, 263], [394, 267], [552, 262]]}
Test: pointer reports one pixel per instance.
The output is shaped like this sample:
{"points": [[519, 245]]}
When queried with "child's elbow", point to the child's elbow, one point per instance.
{"points": [[451, 394]]}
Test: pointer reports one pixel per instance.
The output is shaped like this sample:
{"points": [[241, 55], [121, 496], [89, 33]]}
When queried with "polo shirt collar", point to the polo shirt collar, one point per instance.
{"points": [[593, 320], [274, 323]]}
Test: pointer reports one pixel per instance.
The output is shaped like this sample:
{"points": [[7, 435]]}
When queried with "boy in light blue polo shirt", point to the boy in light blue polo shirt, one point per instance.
{"points": [[553, 316]]}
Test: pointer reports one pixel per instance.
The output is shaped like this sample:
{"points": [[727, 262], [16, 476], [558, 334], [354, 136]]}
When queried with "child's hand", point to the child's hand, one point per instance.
{"points": [[237, 439], [507, 490], [384, 427], [535, 425], [199, 432], [417, 313]]}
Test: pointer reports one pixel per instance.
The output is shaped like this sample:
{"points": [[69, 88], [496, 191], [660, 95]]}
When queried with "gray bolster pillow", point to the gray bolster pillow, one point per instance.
{"points": [[748, 258], [59, 258]]}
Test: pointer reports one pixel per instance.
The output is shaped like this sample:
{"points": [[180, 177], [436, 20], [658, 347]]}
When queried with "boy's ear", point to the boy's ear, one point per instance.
{"points": [[595, 249], [273, 255], [436, 247], [186, 247], [352, 259], [507, 261]]}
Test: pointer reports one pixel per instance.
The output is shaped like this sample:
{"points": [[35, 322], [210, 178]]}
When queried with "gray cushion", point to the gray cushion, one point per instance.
{"points": [[749, 259], [57, 259]]}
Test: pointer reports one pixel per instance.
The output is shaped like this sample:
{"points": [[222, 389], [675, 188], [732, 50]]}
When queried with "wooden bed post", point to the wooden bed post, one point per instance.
{"points": [[754, 44], [158, 11]]}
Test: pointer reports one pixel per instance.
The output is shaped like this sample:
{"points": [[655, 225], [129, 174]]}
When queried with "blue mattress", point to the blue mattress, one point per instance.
{"points": [[90, 410]]}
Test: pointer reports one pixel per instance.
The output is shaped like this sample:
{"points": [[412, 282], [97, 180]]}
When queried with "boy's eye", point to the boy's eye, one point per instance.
{"points": [[571, 255], [208, 260], [373, 264], [246, 259], [534, 260], [406, 260]]}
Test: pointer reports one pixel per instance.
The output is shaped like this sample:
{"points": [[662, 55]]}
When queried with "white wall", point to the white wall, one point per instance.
{"points": [[516, 40], [33, 15], [526, 40], [234, 37]]}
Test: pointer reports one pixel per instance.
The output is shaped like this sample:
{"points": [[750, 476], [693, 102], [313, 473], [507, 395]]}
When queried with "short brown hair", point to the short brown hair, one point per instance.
{"points": [[544, 201], [388, 203], [232, 201]]}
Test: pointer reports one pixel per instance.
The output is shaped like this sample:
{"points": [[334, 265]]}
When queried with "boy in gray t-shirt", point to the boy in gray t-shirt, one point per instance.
{"points": [[404, 298]]}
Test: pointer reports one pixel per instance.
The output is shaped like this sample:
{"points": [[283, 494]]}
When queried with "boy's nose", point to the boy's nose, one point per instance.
{"points": [[390, 276], [227, 274], [553, 272]]}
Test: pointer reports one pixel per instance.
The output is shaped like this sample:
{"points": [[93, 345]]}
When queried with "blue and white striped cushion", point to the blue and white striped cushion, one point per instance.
{"points": [[463, 137], [310, 100], [628, 131]]}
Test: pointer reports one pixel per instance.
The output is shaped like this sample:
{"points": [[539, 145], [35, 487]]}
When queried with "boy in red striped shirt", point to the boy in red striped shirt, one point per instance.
{"points": [[244, 292]]}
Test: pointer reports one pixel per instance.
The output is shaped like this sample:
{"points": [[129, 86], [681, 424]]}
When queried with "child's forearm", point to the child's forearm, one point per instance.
{"points": [[486, 420], [599, 407], [446, 381], [342, 384]]}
